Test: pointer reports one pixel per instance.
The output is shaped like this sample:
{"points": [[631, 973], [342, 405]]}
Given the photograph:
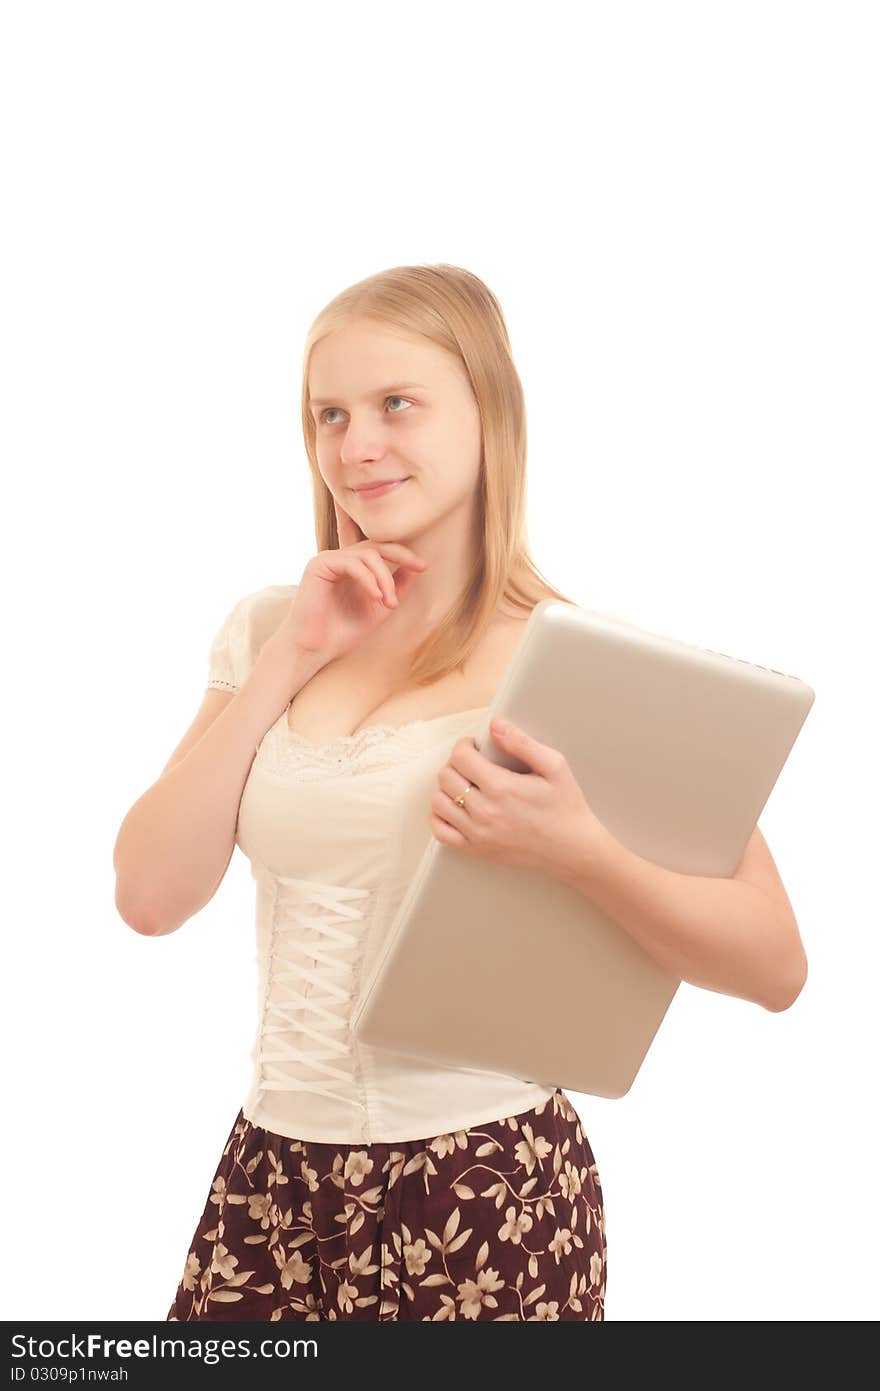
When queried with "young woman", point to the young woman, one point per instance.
{"points": [[337, 736]]}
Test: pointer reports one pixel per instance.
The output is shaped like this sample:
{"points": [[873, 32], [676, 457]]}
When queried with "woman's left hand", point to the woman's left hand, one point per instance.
{"points": [[534, 820]]}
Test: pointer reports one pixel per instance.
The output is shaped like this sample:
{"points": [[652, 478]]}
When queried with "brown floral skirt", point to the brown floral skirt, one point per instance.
{"points": [[500, 1221]]}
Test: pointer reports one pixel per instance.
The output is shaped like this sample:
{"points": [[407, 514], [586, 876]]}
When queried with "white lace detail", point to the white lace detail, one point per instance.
{"points": [[371, 749], [313, 960]]}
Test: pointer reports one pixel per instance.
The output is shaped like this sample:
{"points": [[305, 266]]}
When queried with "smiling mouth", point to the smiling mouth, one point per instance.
{"points": [[378, 489]]}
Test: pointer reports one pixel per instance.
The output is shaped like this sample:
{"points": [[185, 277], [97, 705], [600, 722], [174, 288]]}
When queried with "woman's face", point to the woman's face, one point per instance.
{"points": [[388, 407]]}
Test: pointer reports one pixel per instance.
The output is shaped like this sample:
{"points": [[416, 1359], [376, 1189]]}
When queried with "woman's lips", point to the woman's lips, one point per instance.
{"points": [[381, 489]]}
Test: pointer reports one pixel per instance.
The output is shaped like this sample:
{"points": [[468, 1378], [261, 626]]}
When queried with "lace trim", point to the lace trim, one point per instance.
{"points": [[371, 749]]}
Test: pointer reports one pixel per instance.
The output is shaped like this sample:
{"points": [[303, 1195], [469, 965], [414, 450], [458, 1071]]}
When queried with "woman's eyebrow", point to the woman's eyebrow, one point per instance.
{"points": [[379, 391]]}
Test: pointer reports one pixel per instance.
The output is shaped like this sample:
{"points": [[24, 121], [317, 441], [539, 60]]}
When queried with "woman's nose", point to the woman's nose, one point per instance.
{"points": [[363, 440]]}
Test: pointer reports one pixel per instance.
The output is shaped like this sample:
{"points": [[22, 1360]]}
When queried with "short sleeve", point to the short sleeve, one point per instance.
{"points": [[224, 663], [237, 642]]}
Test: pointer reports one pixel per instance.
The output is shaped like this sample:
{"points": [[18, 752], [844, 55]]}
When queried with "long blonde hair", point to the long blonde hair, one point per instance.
{"points": [[455, 310]]}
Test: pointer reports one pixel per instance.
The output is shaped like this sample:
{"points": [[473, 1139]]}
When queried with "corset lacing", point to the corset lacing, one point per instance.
{"points": [[304, 1029]]}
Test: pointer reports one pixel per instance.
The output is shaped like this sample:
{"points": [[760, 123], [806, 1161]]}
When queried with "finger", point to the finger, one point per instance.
{"points": [[372, 584], [382, 575], [496, 780], [394, 583], [466, 761], [454, 784], [541, 758], [446, 834], [349, 563], [399, 554], [445, 808], [404, 580]]}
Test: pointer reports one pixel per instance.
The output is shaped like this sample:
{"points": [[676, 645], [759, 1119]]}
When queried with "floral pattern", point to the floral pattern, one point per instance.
{"points": [[502, 1221]]}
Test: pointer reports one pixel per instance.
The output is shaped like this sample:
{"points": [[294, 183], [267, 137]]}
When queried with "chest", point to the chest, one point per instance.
{"points": [[351, 809], [368, 687]]}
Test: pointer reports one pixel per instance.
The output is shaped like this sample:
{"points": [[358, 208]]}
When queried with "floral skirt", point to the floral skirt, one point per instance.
{"points": [[500, 1221]]}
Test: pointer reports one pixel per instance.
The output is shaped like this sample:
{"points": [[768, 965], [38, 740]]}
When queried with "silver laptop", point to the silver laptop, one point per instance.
{"points": [[677, 749]]}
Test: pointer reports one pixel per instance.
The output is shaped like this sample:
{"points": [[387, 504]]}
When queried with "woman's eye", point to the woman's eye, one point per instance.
{"points": [[329, 409]]}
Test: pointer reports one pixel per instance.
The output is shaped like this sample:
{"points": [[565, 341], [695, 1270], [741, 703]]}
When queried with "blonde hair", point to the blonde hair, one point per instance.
{"points": [[454, 309]]}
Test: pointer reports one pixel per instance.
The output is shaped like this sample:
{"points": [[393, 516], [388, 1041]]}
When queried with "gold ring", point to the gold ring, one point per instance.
{"points": [[459, 800]]}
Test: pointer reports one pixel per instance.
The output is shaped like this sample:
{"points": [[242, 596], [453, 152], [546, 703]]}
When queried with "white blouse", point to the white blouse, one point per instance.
{"points": [[334, 833]]}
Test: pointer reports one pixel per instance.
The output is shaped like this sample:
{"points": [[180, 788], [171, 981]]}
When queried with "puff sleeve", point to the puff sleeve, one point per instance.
{"points": [[225, 653], [242, 633]]}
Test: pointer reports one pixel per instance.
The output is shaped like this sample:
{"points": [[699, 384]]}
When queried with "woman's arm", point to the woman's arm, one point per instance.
{"points": [[175, 844], [724, 934]]}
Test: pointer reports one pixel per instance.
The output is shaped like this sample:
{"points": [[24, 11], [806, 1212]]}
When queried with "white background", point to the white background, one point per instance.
{"points": [[677, 206]]}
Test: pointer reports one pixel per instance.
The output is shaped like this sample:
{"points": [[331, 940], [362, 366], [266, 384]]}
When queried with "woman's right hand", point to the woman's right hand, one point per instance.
{"points": [[346, 594]]}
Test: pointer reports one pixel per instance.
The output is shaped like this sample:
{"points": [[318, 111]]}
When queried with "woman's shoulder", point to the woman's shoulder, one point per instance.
{"points": [[264, 609], [256, 615], [248, 623]]}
